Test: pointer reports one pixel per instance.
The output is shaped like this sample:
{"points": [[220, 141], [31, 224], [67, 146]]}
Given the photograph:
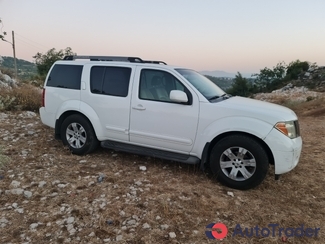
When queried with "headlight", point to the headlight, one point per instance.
{"points": [[288, 128]]}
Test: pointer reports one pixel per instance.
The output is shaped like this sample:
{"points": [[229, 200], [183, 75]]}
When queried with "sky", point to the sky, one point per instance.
{"points": [[229, 35]]}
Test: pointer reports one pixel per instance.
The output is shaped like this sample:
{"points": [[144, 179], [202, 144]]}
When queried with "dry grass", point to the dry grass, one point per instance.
{"points": [[185, 198], [24, 97]]}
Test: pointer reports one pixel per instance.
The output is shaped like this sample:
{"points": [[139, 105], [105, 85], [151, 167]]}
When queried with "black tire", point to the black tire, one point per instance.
{"points": [[239, 162], [78, 134]]}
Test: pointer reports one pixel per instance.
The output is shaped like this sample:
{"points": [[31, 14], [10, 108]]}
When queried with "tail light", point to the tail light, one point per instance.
{"points": [[43, 98]]}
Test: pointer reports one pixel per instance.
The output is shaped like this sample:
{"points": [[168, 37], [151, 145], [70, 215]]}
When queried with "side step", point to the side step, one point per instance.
{"points": [[156, 153]]}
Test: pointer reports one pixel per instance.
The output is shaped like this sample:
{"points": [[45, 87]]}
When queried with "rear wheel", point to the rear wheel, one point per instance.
{"points": [[78, 134], [239, 162]]}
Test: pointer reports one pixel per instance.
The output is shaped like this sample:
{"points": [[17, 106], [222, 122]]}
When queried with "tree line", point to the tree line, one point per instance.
{"points": [[268, 79]]}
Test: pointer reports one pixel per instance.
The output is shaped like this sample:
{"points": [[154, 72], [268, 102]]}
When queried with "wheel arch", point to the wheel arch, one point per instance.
{"points": [[209, 145], [65, 115]]}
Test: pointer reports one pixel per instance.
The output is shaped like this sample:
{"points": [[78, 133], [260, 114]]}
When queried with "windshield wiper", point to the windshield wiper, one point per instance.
{"points": [[213, 97], [224, 96]]}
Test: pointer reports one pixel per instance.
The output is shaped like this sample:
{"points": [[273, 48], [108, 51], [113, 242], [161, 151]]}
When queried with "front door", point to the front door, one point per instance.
{"points": [[155, 120]]}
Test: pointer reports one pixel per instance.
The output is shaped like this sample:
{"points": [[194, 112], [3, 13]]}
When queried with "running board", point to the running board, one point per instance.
{"points": [[156, 153]]}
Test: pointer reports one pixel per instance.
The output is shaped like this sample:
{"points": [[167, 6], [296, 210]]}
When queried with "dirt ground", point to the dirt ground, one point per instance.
{"points": [[48, 195]]}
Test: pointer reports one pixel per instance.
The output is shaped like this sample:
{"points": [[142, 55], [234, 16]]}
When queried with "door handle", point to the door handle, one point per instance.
{"points": [[139, 107]]}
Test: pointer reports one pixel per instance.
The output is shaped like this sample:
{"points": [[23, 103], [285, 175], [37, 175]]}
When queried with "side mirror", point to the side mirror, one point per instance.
{"points": [[178, 96]]}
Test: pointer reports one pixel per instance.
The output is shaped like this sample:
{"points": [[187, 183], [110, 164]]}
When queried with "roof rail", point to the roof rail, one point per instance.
{"points": [[112, 58]]}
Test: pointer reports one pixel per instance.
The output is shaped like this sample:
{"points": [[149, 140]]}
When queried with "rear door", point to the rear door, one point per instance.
{"points": [[156, 121], [109, 95]]}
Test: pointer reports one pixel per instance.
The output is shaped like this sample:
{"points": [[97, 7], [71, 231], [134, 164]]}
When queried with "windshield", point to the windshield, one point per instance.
{"points": [[205, 86]]}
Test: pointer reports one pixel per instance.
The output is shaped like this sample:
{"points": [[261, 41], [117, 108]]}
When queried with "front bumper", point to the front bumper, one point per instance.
{"points": [[286, 151]]}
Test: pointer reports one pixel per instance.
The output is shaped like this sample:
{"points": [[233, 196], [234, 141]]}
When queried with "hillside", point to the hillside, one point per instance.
{"points": [[25, 69]]}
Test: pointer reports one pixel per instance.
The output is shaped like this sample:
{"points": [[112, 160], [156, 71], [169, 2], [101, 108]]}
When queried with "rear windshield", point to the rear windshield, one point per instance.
{"points": [[65, 76]]}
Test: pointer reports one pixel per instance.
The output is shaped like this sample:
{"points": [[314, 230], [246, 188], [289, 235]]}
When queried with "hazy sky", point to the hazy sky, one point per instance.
{"points": [[228, 35]]}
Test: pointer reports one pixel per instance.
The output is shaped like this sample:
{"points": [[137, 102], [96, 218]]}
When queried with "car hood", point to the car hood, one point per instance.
{"points": [[247, 107]]}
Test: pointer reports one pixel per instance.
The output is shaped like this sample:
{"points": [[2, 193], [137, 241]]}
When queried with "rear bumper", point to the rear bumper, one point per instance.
{"points": [[286, 151], [47, 118]]}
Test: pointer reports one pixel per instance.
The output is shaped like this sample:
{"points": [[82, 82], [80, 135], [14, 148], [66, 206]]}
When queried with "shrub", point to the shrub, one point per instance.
{"points": [[25, 97]]}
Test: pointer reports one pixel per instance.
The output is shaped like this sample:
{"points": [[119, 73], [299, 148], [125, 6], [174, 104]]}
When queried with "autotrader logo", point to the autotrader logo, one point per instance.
{"points": [[216, 231]]}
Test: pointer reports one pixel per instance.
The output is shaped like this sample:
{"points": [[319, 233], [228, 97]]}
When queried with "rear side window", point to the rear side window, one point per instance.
{"points": [[112, 81], [65, 76]]}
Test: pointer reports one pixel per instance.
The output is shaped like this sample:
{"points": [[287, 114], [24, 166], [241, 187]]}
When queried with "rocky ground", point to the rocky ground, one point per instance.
{"points": [[48, 195]]}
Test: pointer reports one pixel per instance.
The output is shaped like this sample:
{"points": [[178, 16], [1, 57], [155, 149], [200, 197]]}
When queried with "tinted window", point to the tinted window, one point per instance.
{"points": [[112, 81], [65, 76]]}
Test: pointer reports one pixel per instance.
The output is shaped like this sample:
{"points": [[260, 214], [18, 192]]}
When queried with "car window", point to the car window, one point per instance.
{"points": [[65, 76], [113, 81], [156, 85]]}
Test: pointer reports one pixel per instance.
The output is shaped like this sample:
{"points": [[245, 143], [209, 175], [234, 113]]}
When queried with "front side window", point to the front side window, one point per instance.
{"points": [[65, 76], [156, 85], [113, 81]]}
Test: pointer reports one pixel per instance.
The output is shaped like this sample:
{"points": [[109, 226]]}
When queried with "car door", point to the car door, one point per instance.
{"points": [[109, 95], [155, 120]]}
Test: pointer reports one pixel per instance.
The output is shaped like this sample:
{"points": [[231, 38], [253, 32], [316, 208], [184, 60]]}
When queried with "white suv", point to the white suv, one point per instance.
{"points": [[150, 108]]}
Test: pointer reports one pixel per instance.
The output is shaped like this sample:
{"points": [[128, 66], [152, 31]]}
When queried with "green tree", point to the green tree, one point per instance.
{"points": [[45, 61], [295, 69], [241, 86], [270, 79]]}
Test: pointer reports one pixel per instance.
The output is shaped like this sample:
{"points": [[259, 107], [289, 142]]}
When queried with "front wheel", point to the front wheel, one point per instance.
{"points": [[239, 162], [78, 134]]}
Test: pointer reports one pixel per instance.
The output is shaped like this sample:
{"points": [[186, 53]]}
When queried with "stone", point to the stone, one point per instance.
{"points": [[28, 194], [119, 238], [146, 226], [33, 226], [41, 184], [70, 220], [164, 227], [143, 168], [14, 184], [229, 193], [17, 191], [131, 222], [172, 235]]}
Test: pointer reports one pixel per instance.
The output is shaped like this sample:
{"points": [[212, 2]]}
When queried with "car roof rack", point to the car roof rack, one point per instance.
{"points": [[112, 58]]}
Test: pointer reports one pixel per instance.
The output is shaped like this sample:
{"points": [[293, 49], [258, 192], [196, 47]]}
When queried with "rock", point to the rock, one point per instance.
{"points": [[14, 205], [91, 183], [229, 193], [14, 184], [17, 191], [4, 221], [33, 226], [158, 218], [41, 184], [146, 226], [62, 185], [28, 194], [122, 213], [131, 222], [91, 234], [119, 238], [172, 235], [164, 227], [70, 220], [138, 183], [143, 168], [19, 210]]}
